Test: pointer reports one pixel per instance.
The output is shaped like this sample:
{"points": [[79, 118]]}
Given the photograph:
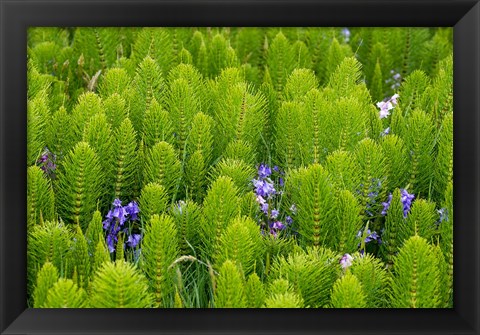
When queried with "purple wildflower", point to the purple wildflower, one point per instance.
{"points": [[132, 210], [277, 225], [265, 208], [280, 181], [275, 168], [288, 220], [264, 171], [47, 162], [346, 261], [264, 188], [406, 199], [133, 240], [387, 105], [385, 132], [260, 200], [386, 204], [371, 236], [111, 239], [274, 213]]}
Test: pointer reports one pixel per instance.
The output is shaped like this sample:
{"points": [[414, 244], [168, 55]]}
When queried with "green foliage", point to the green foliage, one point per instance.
{"points": [[148, 85], [115, 108], [180, 119], [254, 291], [443, 171], [348, 293], [373, 277], [419, 138], [124, 163], [312, 274], [416, 275], [446, 238], [240, 150], [80, 184], [299, 83], [283, 295], [163, 167], [94, 231], [46, 278], [40, 197], [397, 160], [341, 167], [347, 223], [240, 243], [394, 222], [412, 90], [240, 172], [80, 258], [114, 81], [131, 293], [420, 221], [230, 289], [219, 208], [37, 119], [239, 113], [158, 126], [88, 105], [188, 219], [280, 61], [159, 251], [66, 294], [101, 255], [153, 200], [200, 137], [59, 133], [155, 44], [371, 169], [49, 242], [314, 198]]}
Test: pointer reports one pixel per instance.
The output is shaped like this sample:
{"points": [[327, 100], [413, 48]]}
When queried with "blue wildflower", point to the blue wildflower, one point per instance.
{"points": [[132, 210], [133, 240], [406, 199], [264, 171]]}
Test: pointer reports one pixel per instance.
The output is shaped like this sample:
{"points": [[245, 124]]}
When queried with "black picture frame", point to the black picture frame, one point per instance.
{"points": [[17, 15]]}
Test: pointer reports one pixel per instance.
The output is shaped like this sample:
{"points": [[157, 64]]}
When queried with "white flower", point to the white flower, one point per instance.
{"points": [[346, 261]]}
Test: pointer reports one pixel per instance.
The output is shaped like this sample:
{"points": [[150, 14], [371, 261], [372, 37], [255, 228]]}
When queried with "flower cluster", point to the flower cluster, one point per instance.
{"points": [[47, 162], [387, 105], [346, 261], [395, 80], [267, 196], [116, 222], [406, 198]]}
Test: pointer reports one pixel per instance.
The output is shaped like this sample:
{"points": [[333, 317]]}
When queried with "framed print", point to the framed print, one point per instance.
{"points": [[239, 167]]}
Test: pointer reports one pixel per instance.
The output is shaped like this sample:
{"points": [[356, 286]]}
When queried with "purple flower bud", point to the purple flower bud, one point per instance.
{"points": [[288, 220]]}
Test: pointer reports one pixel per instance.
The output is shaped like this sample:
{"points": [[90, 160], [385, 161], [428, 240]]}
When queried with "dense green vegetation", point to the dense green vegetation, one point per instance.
{"points": [[240, 167]]}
